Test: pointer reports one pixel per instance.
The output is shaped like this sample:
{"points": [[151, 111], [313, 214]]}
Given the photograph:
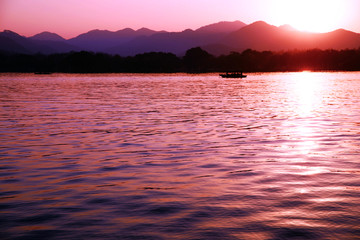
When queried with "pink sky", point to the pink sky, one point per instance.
{"points": [[70, 18]]}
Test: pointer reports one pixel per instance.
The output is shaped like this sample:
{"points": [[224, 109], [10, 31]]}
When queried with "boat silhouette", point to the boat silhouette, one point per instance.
{"points": [[233, 75]]}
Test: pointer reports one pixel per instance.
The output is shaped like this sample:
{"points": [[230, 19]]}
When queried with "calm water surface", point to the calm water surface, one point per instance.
{"points": [[272, 156]]}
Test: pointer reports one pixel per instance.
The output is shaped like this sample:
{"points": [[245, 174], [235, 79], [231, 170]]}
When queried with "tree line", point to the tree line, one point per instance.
{"points": [[196, 60]]}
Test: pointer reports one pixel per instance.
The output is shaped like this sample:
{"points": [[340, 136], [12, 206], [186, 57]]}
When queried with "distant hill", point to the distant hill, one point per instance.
{"points": [[222, 27], [47, 36], [338, 39], [174, 42], [177, 42], [11, 46], [218, 38], [262, 36], [21, 44], [101, 40]]}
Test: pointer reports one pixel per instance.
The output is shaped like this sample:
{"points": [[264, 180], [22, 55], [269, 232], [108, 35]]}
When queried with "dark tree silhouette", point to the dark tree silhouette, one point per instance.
{"points": [[196, 60]]}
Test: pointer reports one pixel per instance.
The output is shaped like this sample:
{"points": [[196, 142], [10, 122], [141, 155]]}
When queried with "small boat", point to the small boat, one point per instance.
{"points": [[233, 75]]}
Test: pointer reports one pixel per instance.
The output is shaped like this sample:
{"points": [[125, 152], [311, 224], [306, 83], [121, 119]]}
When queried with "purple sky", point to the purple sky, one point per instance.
{"points": [[69, 18]]}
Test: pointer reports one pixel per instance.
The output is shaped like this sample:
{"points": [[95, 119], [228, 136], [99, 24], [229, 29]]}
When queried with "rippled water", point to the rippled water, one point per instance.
{"points": [[272, 156]]}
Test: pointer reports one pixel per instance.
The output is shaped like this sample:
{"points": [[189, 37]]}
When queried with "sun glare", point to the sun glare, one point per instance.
{"points": [[307, 86], [310, 15]]}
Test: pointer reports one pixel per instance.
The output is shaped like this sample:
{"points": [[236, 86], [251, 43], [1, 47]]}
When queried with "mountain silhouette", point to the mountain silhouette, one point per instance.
{"points": [[101, 40], [10, 45], [217, 39], [173, 42], [25, 45], [262, 36], [222, 27], [47, 36], [15, 43], [177, 42]]}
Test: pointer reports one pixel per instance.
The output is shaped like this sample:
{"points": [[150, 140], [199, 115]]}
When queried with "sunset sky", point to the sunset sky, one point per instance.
{"points": [[70, 18]]}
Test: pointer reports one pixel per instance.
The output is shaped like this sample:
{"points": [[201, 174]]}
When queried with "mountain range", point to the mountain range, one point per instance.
{"points": [[218, 38]]}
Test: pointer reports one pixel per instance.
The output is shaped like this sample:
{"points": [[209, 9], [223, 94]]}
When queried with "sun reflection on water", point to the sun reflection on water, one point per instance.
{"points": [[304, 98], [307, 86]]}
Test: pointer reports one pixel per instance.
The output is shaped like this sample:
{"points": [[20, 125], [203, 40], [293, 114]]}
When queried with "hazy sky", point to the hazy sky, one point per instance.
{"points": [[69, 18]]}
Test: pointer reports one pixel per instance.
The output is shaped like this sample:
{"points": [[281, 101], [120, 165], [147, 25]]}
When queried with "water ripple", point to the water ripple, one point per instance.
{"points": [[273, 156]]}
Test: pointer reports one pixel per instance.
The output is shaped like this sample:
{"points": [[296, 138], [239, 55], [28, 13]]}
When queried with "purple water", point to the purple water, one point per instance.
{"points": [[271, 156]]}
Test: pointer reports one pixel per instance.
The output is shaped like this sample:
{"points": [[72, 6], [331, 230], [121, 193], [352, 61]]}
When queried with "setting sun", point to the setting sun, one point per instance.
{"points": [[310, 15]]}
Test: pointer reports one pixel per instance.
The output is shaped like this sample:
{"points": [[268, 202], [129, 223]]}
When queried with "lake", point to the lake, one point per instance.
{"points": [[177, 156]]}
